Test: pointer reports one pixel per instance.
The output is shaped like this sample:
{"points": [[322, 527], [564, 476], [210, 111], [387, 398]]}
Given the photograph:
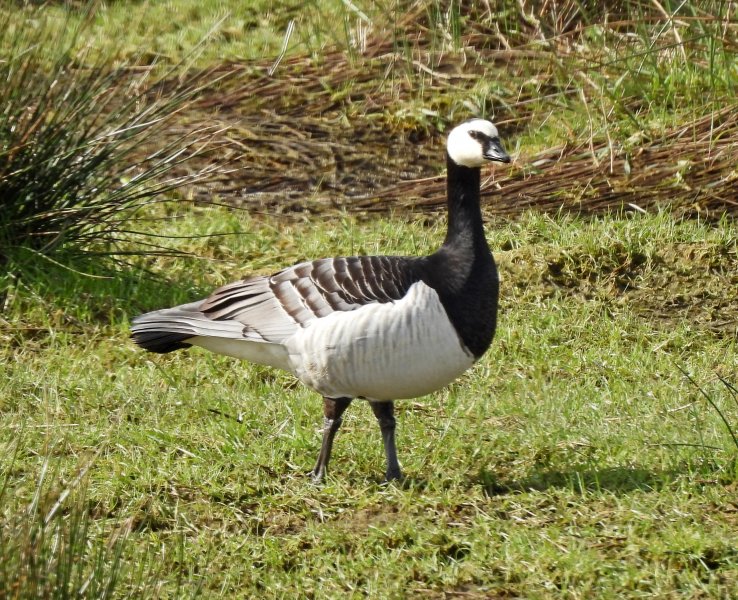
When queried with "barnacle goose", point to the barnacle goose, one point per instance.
{"points": [[374, 327]]}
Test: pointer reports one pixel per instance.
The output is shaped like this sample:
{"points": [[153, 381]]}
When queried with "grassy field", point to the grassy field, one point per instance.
{"points": [[590, 454]]}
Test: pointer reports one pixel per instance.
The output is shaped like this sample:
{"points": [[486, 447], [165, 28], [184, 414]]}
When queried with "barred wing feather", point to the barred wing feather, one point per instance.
{"points": [[273, 308]]}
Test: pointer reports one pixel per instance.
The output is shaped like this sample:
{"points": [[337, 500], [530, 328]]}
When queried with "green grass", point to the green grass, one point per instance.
{"points": [[574, 460], [623, 79], [237, 31]]}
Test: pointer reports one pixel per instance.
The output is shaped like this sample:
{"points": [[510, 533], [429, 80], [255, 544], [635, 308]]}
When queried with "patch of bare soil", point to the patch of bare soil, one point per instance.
{"points": [[686, 282]]}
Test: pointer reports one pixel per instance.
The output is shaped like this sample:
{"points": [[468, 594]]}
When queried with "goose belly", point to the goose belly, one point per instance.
{"points": [[262, 353], [401, 349]]}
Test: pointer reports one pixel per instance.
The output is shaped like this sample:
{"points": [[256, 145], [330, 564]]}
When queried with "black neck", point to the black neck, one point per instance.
{"points": [[463, 271], [465, 227]]}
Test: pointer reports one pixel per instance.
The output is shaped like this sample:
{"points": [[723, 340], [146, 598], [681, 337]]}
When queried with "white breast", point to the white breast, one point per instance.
{"points": [[401, 349]]}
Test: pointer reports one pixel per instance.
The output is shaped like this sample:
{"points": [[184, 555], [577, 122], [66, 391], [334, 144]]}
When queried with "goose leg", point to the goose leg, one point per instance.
{"points": [[333, 409], [384, 411]]}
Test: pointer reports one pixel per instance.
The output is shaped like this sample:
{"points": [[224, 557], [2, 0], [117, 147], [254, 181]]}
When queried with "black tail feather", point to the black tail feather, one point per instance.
{"points": [[160, 342]]}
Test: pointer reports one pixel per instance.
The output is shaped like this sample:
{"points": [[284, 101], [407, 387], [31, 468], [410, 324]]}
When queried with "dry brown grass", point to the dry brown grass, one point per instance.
{"points": [[692, 168], [315, 133]]}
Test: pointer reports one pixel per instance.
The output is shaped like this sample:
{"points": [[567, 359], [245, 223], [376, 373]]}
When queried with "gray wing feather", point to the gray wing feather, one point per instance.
{"points": [[270, 309]]}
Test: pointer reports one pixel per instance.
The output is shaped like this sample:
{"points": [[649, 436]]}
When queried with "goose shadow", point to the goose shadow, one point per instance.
{"points": [[580, 480]]}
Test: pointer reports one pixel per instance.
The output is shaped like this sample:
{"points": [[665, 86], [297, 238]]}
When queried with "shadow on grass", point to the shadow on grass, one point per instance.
{"points": [[617, 480], [89, 292]]}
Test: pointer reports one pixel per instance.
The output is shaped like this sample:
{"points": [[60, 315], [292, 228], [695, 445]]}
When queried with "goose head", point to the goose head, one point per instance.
{"points": [[474, 143]]}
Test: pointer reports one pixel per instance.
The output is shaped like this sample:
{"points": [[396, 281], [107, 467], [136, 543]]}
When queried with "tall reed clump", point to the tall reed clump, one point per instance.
{"points": [[56, 548], [80, 141]]}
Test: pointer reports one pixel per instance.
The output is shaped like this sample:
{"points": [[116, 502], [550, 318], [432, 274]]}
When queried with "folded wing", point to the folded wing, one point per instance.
{"points": [[271, 309]]}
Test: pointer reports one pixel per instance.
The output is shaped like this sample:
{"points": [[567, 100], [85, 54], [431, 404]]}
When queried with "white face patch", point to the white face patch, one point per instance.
{"points": [[463, 148]]}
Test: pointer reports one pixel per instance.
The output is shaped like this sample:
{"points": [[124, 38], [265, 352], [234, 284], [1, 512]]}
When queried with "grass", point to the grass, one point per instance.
{"points": [[575, 459], [589, 454], [168, 31], [71, 135]]}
